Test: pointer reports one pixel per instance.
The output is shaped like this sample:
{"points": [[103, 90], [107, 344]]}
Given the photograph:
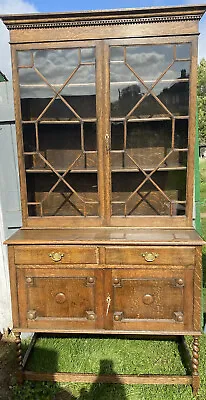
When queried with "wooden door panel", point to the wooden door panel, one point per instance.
{"points": [[152, 298], [59, 299]]}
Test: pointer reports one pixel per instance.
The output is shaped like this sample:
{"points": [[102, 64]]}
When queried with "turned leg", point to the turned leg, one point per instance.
{"points": [[19, 357], [195, 364]]}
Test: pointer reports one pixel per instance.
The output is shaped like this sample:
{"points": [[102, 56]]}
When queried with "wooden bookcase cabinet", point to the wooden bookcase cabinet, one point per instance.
{"points": [[105, 119]]}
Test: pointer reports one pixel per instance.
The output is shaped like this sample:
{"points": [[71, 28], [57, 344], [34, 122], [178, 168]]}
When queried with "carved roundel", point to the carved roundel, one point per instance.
{"points": [[60, 298], [148, 299]]}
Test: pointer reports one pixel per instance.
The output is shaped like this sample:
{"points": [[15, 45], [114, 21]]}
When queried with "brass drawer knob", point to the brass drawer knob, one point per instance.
{"points": [[116, 281], [56, 256], [149, 257]]}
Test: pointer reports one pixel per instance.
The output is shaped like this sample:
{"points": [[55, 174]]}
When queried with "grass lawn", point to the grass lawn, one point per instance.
{"points": [[111, 355], [203, 187], [114, 355]]}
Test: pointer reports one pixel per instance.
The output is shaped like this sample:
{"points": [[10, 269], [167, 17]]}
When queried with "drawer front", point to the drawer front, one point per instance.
{"points": [[56, 255], [65, 299], [150, 255], [152, 299]]}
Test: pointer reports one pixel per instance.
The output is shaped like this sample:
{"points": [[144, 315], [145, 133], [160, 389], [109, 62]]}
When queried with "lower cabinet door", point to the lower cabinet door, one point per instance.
{"points": [[62, 298], [152, 299]]}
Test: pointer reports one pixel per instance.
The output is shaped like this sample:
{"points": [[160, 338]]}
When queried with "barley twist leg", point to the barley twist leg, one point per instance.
{"points": [[195, 365], [19, 357]]}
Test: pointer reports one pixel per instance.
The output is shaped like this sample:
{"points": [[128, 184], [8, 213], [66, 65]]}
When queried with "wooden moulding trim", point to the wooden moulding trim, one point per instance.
{"points": [[116, 21], [139, 221], [110, 332], [104, 17], [92, 378]]}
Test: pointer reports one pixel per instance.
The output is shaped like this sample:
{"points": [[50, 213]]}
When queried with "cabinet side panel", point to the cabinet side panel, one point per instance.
{"points": [[197, 289], [13, 285]]}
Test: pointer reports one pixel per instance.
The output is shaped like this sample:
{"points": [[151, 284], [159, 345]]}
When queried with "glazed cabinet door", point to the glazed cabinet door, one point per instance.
{"points": [[59, 298], [149, 90], [151, 299], [60, 93]]}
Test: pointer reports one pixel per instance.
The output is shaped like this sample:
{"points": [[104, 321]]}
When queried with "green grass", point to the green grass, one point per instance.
{"points": [[203, 186], [109, 355]]}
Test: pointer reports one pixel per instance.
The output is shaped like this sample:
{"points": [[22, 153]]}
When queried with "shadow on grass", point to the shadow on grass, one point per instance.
{"points": [[53, 391], [99, 390]]}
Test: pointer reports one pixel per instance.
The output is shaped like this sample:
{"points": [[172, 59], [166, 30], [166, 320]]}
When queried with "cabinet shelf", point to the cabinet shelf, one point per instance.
{"points": [[94, 170], [60, 171], [179, 168]]}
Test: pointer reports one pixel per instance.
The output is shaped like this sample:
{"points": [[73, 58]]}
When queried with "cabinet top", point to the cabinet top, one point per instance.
{"points": [[129, 236], [104, 17]]}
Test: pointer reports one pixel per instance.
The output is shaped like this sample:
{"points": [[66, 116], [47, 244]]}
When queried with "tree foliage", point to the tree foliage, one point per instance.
{"points": [[201, 96]]}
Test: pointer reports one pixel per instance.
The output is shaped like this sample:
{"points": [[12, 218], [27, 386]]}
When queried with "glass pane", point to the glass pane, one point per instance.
{"points": [[29, 137], [183, 51], [63, 146], [181, 134], [121, 73], [149, 62], [35, 94], [80, 93], [173, 184], [177, 159], [56, 65], [117, 136], [175, 96], [146, 201], [87, 55], [179, 70], [148, 143], [24, 58], [117, 53], [90, 137], [169, 199], [58, 110], [125, 90], [150, 108], [80, 199]]}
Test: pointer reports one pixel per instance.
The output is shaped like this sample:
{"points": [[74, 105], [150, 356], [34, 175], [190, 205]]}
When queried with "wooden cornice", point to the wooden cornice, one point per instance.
{"points": [[105, 17]]}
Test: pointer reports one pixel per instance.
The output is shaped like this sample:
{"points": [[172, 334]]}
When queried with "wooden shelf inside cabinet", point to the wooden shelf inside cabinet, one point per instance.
{"points": [[106, 135], [128, 170], [61, 171]]}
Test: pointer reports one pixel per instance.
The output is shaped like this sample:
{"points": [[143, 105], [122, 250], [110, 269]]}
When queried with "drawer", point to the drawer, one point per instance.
{"points": [[56, 254], [150, 255]]}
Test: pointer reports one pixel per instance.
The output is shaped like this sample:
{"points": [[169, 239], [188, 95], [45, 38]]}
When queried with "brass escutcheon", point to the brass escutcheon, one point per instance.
{"points": [[149, 257], [56, 256]]}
